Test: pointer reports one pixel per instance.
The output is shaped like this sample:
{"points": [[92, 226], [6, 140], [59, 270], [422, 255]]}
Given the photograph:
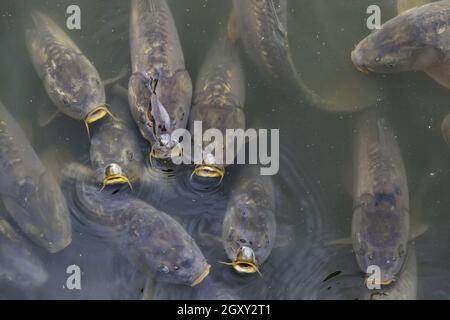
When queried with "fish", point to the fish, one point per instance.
{"points": [[151, 240], [261, 26], [381, 220], [70, 79], [20, 266], [405, 288], [249, 225], [350, 285], [415, 40], [115, 149], [29, 191], [160, 87], [218, 102]]}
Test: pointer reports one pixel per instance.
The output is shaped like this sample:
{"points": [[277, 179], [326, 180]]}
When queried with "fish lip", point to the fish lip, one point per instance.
{"points": [[362, 68], [202, 276], [97, 113], [209, 171], [116, 179], [359, 66], [245, 261], [383, 282], [245, 266]]}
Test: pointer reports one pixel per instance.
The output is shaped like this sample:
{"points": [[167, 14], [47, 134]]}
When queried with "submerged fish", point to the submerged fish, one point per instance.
{"points": [[219, 100], [115, 152], [160, 88], [29, 191], [70, 79], [249, 226], [153, 241], [380, 227], [261, 26], [404, 288], [417, 39], [19, 266]]}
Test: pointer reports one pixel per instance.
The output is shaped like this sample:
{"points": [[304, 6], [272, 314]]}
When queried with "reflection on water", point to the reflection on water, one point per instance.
{"points": [[314, 205]]}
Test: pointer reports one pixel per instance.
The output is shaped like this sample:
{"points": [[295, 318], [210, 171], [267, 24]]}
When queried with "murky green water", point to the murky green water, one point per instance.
{"points": [[313, 201]]}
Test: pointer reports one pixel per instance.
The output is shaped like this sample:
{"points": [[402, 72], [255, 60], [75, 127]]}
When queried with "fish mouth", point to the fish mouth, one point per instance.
{"points": [[116, 179], [160, 154], [95, 115], [382, 282], [209, 171], [358, 63], [114, 175], [248, 267], [245, 261], [202, 277], [362, 68]]}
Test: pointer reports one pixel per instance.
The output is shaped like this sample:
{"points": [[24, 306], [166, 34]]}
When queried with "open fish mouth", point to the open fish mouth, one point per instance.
{"points": [[116, 179], [202, 277], [114, 176], [209, 171], [245, 261], [245, 266], [95, 115]]}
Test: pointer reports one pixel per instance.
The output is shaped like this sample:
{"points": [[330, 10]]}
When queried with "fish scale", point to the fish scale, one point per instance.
{"points": [[9, 155], [266, 23], [155, 34], [217, 89]]}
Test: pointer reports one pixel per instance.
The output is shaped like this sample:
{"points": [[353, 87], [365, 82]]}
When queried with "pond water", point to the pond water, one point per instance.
{"points": [[313, 201]]}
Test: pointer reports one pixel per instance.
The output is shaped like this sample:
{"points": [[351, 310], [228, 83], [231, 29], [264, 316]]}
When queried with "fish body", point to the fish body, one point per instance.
{"points": [[405, 288], [219, 99], [151, 240], [19, 265], [262, 27], [380, 226], [160, 88], [29, 191], [249, 222], [70, 79], [115, 152], [416, 40]]}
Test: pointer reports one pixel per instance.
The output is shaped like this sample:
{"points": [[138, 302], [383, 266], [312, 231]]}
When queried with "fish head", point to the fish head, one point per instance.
{"points": [[398, 46], [183, 264], [76, 88], [160, 106], [40, 209], [115, 155], [170, 105], [380, 235]]}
